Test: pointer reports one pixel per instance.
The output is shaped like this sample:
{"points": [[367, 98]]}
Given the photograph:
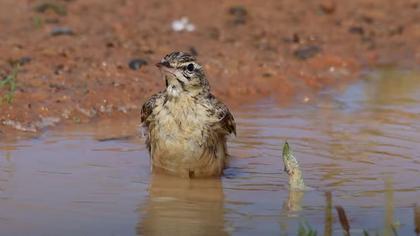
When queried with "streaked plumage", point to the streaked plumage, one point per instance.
{"points": [[186, 125]]}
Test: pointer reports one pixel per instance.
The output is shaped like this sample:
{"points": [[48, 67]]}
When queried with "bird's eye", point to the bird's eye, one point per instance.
{"points": [[190, 67]]}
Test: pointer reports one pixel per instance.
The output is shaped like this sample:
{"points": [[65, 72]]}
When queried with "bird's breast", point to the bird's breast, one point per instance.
{"points": [[181, 122]]}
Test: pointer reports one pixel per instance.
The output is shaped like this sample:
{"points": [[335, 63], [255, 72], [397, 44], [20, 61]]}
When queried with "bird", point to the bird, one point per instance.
{"points": [[186, 126]]}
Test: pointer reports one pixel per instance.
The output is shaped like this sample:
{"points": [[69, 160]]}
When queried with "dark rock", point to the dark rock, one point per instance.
{"points": [[57, 31], [307, 52], [24, 60], [21, 61], [137, 63], [239, 13], [356, 30], [193, 51], [57, 8]]}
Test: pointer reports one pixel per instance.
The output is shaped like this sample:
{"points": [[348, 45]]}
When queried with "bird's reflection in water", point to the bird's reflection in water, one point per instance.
{"points": [[179, 206]]}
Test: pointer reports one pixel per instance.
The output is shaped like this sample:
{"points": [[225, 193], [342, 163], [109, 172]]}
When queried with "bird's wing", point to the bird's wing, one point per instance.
{"points": [[223, 116], [148, 107], [146, 110]]}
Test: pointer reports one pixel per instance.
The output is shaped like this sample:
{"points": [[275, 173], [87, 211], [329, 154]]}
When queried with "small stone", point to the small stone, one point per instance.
{"points": [[106, 108], [307, 52], [182, 24], [356, 30], [57, 31], [24, 60], [66, 113], [239, 13], [21, 61], [137, 63]]}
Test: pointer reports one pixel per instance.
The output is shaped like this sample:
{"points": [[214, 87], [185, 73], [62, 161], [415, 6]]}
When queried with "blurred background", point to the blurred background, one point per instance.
{"points": [[80, 60]]}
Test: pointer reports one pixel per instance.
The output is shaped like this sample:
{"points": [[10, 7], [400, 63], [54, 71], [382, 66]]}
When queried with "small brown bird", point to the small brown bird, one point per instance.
{"points": [[186, 125]]}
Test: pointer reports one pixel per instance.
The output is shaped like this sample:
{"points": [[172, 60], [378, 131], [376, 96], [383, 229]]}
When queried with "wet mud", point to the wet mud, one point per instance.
{"points": [[83, 61]]}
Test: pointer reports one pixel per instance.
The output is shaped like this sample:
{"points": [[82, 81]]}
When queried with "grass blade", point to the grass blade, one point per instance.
{"points": [[343, 220], [328, 214], [417, 219]]}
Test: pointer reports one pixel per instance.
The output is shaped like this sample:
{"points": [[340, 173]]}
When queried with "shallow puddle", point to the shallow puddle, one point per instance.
{"points": [[358, 148]]}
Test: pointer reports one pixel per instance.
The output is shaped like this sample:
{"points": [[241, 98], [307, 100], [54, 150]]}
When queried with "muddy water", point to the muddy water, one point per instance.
{"points": [[358, 147]]}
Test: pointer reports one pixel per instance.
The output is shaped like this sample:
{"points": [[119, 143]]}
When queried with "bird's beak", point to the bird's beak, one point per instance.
{"points": [[165, 67], [163, 64]]}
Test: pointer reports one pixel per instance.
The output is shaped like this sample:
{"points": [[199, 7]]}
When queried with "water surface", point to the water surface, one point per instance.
{"points": [[358, 147]]}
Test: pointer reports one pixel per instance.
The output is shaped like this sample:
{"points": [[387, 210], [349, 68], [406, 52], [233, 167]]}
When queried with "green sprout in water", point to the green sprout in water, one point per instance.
{"points": [[306, 230], [9, 84], [291, 167]]}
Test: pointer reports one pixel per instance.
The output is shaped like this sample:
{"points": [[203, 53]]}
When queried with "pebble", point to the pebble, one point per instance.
{"points": [[307, 52], [356, 30], [21, 61], [182, 24], [137, 63], [57, 31], [239, 13], [24, 60]]}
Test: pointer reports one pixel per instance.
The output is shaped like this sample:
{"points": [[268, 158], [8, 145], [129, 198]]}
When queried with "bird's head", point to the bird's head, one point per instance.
{"points": [[183, 75]]}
